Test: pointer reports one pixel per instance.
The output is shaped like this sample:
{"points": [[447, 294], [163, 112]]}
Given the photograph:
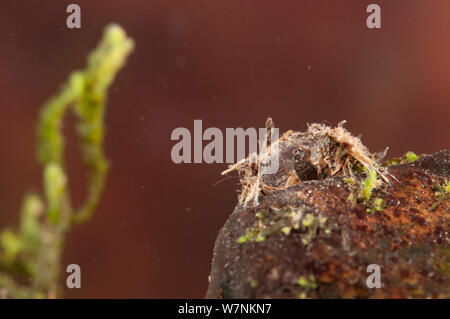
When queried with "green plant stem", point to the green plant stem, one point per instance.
{"points": [[38, 246]]}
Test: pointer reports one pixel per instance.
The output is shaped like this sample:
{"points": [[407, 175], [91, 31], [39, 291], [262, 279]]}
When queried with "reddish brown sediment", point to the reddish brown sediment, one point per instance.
{"points": [[327, 256]]}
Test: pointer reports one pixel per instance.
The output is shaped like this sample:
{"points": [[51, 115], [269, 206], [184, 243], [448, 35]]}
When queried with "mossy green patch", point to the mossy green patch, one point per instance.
{"points": [[369, 184], [442, 192], [411, 157], [253, 283], [284, 221], [308, 282], [408, 157]]}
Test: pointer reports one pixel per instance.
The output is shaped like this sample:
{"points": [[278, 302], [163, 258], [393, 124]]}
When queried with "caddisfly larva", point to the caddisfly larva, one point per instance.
{"points": [[319, 153]]}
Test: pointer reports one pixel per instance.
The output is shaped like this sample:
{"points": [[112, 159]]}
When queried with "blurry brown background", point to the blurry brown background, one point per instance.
{"points": [[231, 64]]}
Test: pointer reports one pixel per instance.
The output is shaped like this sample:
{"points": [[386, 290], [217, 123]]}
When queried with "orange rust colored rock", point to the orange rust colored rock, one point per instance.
{"points": [[408, 239]]}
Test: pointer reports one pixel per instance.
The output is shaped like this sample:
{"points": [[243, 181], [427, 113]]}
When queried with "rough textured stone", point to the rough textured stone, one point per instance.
{"points": [[327, 256]]}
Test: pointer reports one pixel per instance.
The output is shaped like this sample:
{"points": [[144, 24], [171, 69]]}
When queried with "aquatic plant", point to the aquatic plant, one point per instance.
{"points": [[33, 250]]}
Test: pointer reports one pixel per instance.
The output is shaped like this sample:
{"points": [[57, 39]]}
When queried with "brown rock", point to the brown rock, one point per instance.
{"points": [[311, 241]]}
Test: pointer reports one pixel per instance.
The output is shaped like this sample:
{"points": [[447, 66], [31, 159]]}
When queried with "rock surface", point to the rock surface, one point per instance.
{"points": [[311, 241]]}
